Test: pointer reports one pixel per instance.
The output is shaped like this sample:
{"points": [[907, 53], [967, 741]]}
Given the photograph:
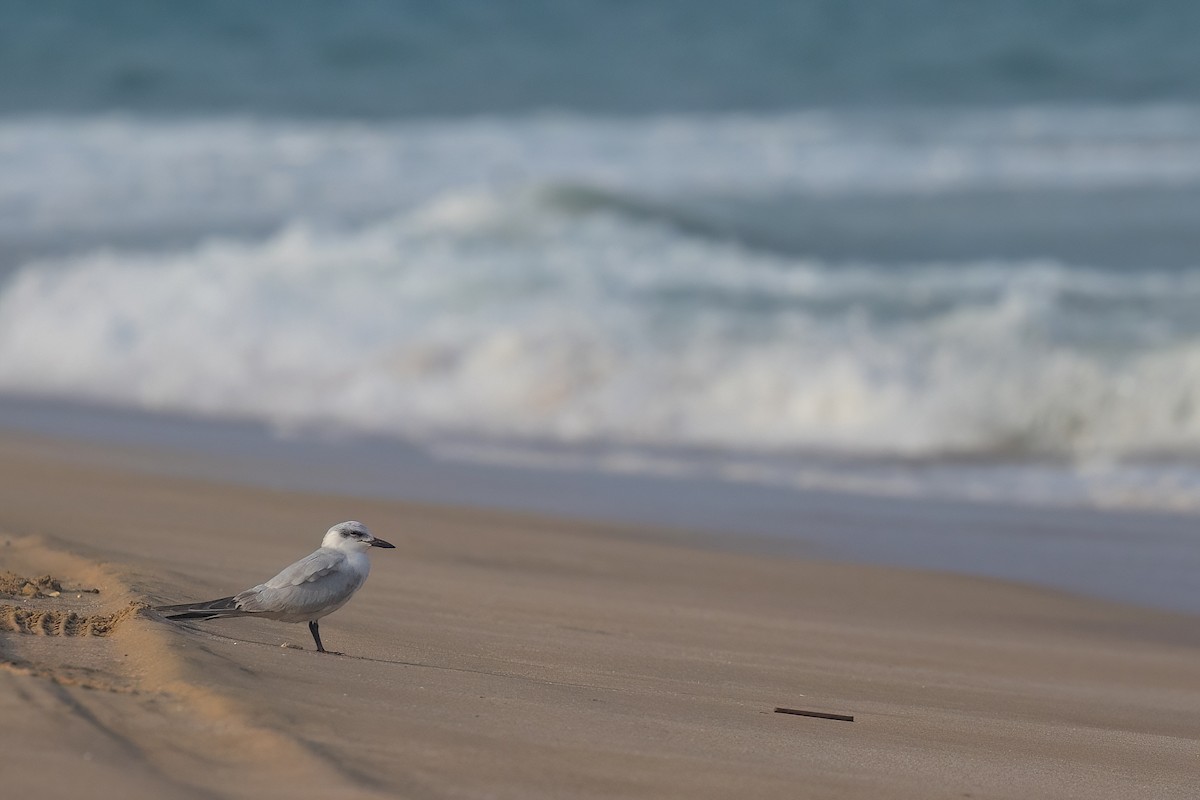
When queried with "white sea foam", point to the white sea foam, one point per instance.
{"points": [[512, 317]]}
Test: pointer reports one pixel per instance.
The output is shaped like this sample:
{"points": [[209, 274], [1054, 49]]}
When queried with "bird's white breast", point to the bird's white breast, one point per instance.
{"points": [[359, 563]]}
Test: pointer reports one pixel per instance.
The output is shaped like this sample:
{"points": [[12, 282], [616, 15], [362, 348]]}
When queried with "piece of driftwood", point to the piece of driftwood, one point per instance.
{"points": [[819, 714]]}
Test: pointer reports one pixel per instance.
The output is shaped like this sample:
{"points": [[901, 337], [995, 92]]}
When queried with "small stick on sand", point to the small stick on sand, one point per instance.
{"points": [[818, 714]]}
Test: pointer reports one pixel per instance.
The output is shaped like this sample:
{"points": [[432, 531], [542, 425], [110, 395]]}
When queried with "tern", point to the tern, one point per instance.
{"points": [[313, 587]]}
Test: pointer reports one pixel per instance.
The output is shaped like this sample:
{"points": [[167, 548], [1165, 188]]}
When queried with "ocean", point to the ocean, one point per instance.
{"points": [[920, 250]]}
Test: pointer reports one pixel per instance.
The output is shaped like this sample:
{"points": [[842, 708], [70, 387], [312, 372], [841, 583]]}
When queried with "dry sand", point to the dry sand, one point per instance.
{"points": [[495, 655]]}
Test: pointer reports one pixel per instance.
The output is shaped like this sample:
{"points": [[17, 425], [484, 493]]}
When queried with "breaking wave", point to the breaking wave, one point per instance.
{"points": [[521, 315]]}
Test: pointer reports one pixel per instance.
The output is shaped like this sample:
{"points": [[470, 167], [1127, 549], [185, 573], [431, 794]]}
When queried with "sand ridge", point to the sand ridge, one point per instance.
{"points": [[55, 622]]}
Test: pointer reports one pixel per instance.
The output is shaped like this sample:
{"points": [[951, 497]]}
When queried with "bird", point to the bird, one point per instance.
{"points": [[313, 587]]}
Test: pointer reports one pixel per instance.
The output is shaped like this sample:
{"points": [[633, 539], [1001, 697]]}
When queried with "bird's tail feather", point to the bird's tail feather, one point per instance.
{"points": [[213, 609]]}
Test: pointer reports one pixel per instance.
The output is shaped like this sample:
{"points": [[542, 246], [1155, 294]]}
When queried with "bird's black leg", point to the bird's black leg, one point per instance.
{"points": [[316, 632]]}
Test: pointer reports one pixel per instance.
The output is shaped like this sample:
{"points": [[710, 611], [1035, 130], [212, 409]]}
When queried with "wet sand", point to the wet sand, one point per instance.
{"points": [[499, 655]]}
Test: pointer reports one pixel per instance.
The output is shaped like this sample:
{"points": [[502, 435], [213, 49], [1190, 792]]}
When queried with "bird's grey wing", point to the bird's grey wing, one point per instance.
{"points": [[312, 567], [312, 584]]}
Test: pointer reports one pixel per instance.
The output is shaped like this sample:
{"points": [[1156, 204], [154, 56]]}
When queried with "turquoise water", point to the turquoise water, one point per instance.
{"points": [[390, 59]]}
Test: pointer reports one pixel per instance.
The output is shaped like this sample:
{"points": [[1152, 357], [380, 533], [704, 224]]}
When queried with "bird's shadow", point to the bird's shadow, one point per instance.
{"points": [[401, 663]]}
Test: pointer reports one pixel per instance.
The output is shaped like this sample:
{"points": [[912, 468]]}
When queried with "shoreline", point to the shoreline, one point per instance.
{"points": [[509, 655], [1149, 558]]}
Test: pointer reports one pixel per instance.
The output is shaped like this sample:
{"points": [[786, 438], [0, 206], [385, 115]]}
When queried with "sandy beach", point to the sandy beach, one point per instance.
{"points": [[834, 358], [497, 655]]}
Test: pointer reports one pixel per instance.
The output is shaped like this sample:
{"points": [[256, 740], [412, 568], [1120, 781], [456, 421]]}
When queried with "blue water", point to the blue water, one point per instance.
{"points": [[387, 59], [919, 249]]}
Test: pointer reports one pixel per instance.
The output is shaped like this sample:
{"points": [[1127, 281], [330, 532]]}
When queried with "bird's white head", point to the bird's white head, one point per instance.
{"points": [[353, 537]]}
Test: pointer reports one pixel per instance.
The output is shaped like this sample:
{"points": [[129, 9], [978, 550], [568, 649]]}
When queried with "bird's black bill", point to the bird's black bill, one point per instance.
{"points": [[382, 543]]}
